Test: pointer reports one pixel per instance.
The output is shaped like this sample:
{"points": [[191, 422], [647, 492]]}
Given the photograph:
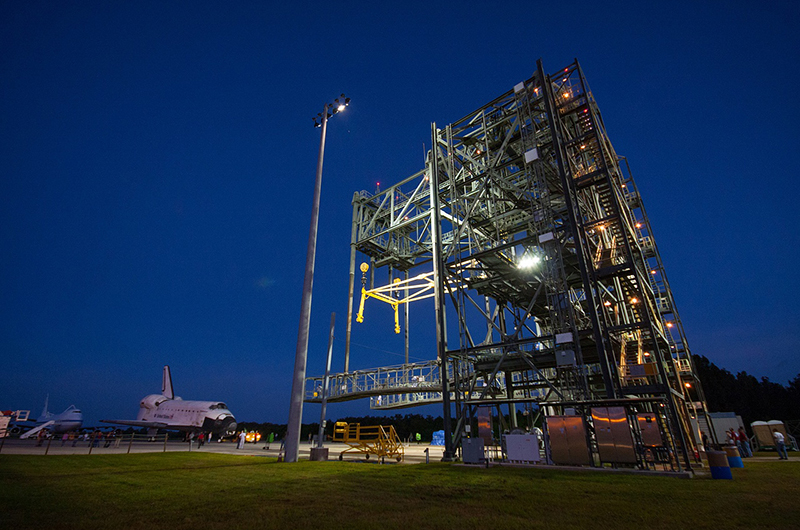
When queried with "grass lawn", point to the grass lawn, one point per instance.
{"points": [[202, 491]]}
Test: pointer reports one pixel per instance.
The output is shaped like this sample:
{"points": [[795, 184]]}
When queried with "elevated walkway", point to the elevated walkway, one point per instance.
{"points": [[416, 378], [406, 385]]}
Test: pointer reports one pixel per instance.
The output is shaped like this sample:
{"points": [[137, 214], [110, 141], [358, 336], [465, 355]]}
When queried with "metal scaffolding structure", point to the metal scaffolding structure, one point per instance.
{"points": [[529, 233]]}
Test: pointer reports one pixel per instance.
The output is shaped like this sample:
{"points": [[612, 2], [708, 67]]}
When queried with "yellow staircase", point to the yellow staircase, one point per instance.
{"points": [[379, 440]]}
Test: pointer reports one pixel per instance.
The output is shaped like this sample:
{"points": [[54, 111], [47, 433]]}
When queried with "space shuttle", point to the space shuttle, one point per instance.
{"points": [[167, 411]]}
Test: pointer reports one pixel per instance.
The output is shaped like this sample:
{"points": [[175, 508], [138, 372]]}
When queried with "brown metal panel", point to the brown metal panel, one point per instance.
{"points": [[624, 452], [485, 425], [603, 434], [576, 438], [648, 426], [559, 447]]}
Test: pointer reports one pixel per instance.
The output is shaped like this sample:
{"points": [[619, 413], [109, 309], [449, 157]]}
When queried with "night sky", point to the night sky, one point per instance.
{"points": [[157, 163]]}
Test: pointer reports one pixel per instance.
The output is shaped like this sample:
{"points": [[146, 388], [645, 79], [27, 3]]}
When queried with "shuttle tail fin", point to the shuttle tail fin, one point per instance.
{"points": [[166, 384]]}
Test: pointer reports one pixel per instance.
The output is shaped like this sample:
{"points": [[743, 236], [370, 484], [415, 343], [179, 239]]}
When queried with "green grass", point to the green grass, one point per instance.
{"points": [[209, 491]]}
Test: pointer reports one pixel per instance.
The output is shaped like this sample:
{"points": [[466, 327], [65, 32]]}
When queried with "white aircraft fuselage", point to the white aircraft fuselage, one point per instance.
{"points": [[69, 420]]}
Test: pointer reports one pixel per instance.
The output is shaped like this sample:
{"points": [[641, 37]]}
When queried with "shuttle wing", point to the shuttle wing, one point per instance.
{"points": [[139, 423]]}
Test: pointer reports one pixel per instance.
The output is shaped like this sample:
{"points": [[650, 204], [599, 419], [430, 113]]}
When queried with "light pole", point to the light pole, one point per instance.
{"points": [[325, 386], [298, 379]]}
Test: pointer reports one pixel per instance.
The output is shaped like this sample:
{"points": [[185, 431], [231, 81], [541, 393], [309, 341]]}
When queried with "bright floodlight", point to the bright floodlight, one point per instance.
{"points": [[341, 103], [528, 262]]}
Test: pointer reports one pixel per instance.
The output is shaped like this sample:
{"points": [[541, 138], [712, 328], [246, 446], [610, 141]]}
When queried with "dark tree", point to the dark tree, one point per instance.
{"points": [[747, 396]]}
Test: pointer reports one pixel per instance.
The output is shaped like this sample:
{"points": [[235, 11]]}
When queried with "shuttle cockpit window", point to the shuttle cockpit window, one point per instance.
{"points": [[218, 406]]}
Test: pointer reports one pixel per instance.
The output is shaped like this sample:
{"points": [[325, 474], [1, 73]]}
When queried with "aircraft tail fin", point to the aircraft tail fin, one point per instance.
{"points": [[45, 412], [166, 384]]}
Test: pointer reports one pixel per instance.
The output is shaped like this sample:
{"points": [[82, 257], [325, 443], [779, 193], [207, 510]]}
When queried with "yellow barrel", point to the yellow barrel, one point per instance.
{"points": [[732, 450], [718, 463], [717, 459], [734, 458]]}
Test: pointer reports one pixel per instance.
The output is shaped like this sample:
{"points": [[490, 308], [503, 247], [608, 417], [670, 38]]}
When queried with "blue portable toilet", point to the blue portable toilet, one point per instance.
{"points": [[438, 438]]}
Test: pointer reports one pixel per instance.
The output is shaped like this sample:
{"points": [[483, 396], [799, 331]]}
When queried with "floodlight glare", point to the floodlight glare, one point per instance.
{"points": [[528, 262], [341, 103]]}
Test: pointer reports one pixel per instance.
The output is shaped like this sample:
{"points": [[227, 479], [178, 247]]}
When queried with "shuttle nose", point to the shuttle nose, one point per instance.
{"points": [[227, 424]]}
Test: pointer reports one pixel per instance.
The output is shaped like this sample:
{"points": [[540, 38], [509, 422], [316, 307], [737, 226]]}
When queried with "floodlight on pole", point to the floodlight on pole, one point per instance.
{"points": [[301, 354], [341, 103]]}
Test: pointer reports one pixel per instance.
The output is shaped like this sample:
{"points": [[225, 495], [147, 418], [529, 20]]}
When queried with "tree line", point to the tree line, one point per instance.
{"points": [[744, 394], [406, 425]]}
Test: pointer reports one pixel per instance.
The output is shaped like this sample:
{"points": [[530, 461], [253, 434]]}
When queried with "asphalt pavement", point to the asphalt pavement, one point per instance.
{"points": [[413, 453]]}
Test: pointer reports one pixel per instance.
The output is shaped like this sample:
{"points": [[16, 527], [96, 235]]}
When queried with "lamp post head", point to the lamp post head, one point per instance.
{"points": [[338, 105], [341, 103]]}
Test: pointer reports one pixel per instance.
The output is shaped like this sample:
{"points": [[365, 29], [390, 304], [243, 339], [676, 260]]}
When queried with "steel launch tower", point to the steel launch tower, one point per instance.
{"points": [[528, 232]]}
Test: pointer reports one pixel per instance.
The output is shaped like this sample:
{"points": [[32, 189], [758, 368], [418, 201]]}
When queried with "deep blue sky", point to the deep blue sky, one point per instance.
{"points": [[157, 163]]}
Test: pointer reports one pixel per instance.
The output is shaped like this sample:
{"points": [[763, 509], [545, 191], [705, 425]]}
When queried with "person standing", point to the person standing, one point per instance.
{"points": [[744, 443], [730, 434], [739, 441], [242, 437], [780, 444], [706, 442], [201, 438]]}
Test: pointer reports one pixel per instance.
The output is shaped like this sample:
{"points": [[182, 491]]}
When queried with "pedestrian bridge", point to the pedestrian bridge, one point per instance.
{"points": [[394, 387], [387, 387]]}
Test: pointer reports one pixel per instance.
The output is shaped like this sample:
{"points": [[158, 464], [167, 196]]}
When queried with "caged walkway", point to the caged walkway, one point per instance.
{"points": [[387, 387], [409, 385]]}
